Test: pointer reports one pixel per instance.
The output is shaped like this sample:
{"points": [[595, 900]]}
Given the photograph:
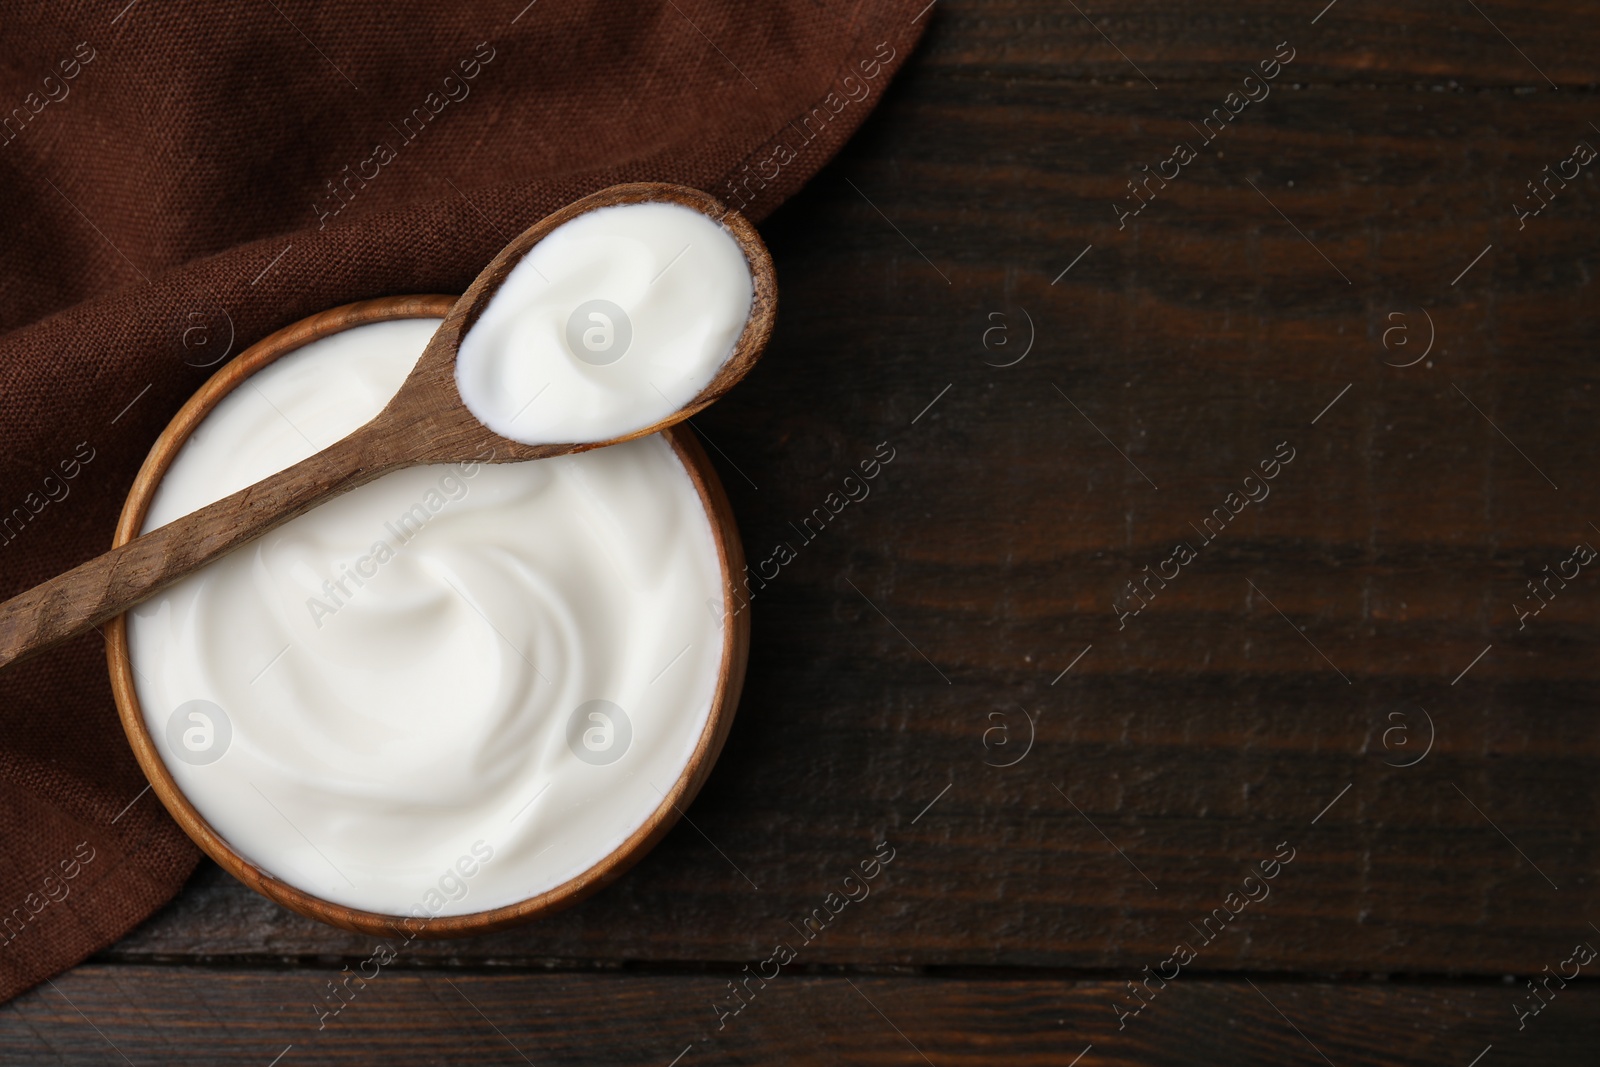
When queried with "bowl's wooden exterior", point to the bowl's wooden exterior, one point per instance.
{"points": [[736, 646]]}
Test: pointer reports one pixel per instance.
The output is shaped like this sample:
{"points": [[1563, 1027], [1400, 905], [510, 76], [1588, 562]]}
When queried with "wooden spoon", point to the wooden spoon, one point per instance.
{"points": [[426, 422]]}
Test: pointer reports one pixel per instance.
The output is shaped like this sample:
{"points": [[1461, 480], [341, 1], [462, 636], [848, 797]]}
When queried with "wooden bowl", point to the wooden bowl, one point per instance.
{"points": [[736, 645]]}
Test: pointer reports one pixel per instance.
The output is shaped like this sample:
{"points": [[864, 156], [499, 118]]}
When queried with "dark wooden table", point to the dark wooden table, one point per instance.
{"points": [[1073, 780]]}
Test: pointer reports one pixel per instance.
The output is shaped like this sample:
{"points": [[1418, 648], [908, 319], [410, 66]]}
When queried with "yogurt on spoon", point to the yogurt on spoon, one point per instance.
{"points": [[612, 322]]}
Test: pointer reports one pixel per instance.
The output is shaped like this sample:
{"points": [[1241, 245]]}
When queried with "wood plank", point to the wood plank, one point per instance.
{"points": [[1219, 722], [183, 1015], [1126, 42]]}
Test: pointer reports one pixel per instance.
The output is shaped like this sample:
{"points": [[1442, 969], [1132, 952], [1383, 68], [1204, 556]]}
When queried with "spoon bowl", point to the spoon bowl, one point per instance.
{"points": [[426, 422]]}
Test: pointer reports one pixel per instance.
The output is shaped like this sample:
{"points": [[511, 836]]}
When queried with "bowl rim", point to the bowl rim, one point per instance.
{"points": [[724, 702]]}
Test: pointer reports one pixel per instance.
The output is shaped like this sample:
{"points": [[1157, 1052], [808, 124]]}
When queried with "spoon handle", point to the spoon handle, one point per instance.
{"points": [[110, 584]]}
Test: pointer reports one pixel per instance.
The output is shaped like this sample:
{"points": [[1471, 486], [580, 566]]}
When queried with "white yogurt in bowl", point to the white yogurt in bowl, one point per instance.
{"points": [[449, 691]]}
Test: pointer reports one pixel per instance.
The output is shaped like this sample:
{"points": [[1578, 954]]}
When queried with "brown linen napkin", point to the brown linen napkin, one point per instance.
{"points": [[183, 178]]}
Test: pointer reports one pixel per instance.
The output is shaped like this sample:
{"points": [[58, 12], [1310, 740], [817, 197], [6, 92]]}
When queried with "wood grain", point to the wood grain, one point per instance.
{"points": [[191, 1015], [1412, 43], [425, 422]]}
